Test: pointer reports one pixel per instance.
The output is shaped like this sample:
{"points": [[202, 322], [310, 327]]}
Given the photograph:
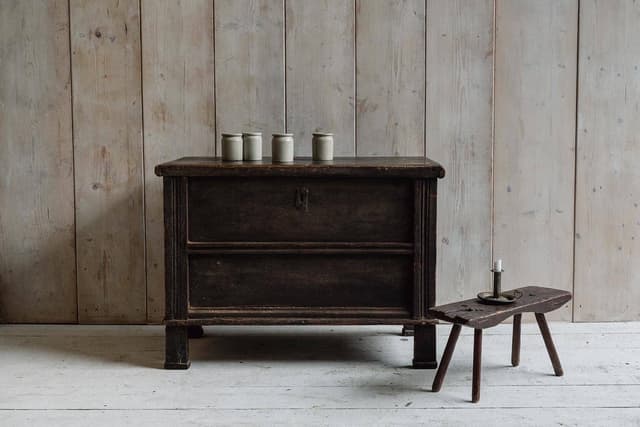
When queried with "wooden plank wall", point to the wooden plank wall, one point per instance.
{"points": [[534, 120], [107, 142], [390, 67], [608, 178], [179, 110], [534, 151], [459, 134], [320, 72], [37, 227], [250, 67]]}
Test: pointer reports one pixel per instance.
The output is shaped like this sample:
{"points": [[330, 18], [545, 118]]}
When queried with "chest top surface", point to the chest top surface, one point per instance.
{"points": [[393, 167]]}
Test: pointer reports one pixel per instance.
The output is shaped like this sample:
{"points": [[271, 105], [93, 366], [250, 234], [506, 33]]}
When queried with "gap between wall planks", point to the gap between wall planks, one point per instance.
{"points": [[37, 246], [179, 110], [608, 160], [535, 93], [107, 138], [534, 104]]}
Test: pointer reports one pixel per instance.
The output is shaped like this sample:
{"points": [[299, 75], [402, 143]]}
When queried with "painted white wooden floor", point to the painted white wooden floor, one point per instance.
{"points": [[111, 375]]}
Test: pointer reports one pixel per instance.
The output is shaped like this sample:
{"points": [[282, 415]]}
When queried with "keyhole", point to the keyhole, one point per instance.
{"points": [[302, 199]]}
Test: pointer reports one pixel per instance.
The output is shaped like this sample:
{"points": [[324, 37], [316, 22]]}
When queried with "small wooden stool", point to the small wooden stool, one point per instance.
{"points": [[480, 316]]}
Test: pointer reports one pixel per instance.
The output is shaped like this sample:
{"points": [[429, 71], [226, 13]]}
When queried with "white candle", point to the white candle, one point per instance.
{"points": [[497, 265]]}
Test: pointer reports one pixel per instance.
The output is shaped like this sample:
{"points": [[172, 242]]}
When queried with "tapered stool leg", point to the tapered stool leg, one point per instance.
{"points": [[477, 364], [515, 340], [446, 358], [548, 342]]}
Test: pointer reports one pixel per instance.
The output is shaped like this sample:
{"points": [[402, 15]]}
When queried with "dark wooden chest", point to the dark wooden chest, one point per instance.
{"points": [[350, 241]]}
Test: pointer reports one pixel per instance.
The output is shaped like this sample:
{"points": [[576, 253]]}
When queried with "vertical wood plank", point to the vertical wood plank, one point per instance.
{"points": [[37, 245], [459, 135], [390, 76], [535, 97], [608, 173], [250, 67], [107, 112], [320, 75], [179, 110]]}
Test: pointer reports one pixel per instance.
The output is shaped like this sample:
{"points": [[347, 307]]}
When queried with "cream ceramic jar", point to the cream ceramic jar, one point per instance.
{"points": [[322, 146], [282, 148], [231, 147], [252, 146]]}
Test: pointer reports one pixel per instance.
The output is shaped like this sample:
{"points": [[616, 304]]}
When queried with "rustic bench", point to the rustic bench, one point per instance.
{"points": [[479, 316]]}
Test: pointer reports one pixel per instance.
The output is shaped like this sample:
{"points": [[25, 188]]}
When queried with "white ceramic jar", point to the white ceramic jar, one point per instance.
{"points": [[322, 146], [252, 146], [231, 147], [282, 148]]}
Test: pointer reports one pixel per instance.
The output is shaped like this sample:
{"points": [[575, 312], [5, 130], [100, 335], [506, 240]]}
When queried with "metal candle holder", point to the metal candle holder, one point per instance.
{"points": [[497, 296]]}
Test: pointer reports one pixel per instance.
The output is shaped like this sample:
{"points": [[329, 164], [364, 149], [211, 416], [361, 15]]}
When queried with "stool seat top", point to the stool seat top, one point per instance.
{"points": [[474, 314]]}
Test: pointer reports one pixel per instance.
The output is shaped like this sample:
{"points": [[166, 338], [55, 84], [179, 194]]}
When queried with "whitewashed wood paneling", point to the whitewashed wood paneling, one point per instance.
{"points": [[608, 163], [320, 72], [535, 99], [107, 138], [250, 67], [37, 241], [390, 75], [179, 110], [459, 135]]}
